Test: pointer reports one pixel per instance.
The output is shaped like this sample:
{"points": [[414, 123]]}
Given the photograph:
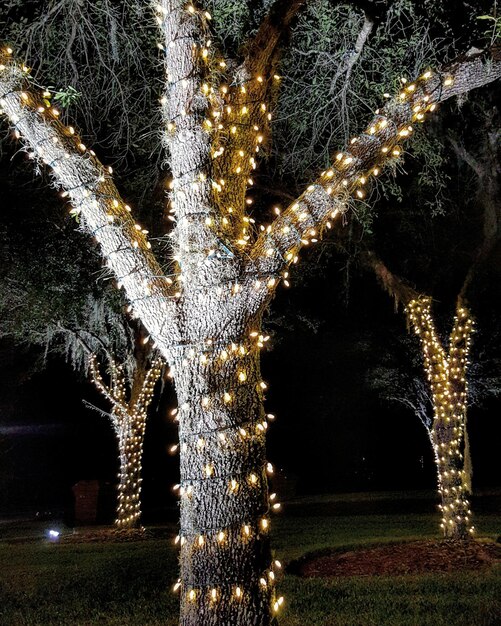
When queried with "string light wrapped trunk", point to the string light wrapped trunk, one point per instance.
{"points": [[206, 321], [446, 373], [128, 417], [227, 575]]}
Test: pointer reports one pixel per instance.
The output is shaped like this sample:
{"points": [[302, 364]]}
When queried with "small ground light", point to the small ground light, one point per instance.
{"points": [[53, 534]]}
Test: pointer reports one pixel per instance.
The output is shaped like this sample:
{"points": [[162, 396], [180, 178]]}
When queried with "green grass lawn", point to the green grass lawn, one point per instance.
{"points": [[128, 584]]}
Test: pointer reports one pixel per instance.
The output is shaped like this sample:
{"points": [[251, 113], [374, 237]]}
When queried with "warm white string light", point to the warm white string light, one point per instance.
{"points": [[225, 144]]}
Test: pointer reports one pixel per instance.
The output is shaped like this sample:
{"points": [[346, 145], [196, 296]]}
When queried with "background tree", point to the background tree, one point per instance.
{"points": [[206, 319], [128, 417]]}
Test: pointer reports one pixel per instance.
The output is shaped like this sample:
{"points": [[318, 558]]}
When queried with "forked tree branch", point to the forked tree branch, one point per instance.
{"points": [[112, 392], [91, 191], [304, 219]]}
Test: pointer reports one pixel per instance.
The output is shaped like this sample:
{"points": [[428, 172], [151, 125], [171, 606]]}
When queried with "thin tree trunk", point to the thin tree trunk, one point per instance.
{"points": [[456, 513], [467, 465], [446, 374], [130, 440], [129, 422]]}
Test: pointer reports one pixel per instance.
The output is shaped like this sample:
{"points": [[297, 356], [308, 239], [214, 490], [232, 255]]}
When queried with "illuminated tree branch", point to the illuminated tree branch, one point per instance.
{"points": [[93, 195], [303, 221], [246, 116]]}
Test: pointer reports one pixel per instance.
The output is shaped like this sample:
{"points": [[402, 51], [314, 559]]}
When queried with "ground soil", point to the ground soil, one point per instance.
{"points": [[413, 557]]}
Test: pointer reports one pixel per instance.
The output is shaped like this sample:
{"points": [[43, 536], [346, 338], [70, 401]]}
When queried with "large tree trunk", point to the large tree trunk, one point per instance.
{"points": [[227, 576]]}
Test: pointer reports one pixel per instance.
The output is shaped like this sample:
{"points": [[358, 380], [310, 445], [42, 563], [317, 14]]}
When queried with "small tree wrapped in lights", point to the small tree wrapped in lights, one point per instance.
{"points": [[205, 320], [128, 417], [446, 373], [446, 369]]}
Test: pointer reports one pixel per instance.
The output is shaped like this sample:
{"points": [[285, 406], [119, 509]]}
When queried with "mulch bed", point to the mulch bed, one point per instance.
{"points": [[415, 557]]}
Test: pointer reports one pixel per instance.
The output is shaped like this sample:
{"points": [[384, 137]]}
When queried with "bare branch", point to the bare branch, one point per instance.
{"points": [[467, 157], [398, 289], [488, 175], [419, 409], [349, 61], [109, 416]]}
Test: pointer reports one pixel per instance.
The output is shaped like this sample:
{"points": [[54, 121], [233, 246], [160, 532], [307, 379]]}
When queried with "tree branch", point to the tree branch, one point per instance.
{"points": [[365, 156], [398, 289], [263, 52], [117, 403], [487, 172], [146, 391], [463, 154], [459, 349], [418, 409], [109, 416], [77, 334], [89, 187], [193, 73], [243, 122], [349, 61]]}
